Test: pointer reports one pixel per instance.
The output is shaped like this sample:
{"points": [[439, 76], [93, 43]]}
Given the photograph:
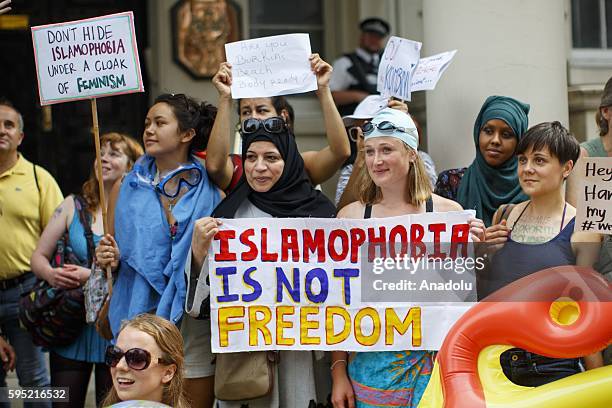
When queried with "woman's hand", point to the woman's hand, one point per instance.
{"points": [[4, 6], [477, 230], [399, 105], [343, 395], [107, 253], [321, 69], [203, 232], [223, 80], [7, 353], [80, 272], [63, 278]]}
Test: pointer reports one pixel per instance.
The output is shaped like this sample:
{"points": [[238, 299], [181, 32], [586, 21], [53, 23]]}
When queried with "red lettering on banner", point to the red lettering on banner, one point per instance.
{"points": [[312, 244], [358, 237], [437, 229], [398, 230], [289, 242], [251, 255], [224, 254], [375, 241], [459, 239], [417, 247], [265, 256], [344, 244]]}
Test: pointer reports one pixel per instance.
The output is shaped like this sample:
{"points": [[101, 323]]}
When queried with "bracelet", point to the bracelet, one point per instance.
{"points": [[336, 362]]}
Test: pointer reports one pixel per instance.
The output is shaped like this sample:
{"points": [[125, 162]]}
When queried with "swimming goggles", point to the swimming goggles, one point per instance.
{"points": [[185, 176], [385, 126], [275, 124]]}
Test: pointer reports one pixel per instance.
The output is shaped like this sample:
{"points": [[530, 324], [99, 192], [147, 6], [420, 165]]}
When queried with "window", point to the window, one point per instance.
{"points": [[592, 23], [273, 17]]}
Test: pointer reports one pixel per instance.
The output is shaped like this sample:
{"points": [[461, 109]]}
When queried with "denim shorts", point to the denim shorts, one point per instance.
{"points": [[532, 370]]}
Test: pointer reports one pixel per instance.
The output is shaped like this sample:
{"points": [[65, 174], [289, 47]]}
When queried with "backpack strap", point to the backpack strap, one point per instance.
{"points": [[86, 219]]}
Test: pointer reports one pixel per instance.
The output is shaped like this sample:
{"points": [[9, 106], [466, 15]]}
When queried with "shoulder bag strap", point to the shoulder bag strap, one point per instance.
{"points": [[86, 220]]}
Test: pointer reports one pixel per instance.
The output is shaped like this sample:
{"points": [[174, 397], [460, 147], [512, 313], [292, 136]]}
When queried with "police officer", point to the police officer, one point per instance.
{"points": [[354, 75]]}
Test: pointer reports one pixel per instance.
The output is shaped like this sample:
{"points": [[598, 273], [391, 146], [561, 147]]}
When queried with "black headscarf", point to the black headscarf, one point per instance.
{"points": [[293, 195]]}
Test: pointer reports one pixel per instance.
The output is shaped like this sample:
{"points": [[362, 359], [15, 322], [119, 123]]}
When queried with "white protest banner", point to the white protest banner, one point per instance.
{"points": [[429, 70], [271, 66], [86, 59], [594, 205], [396, 67], [340, 284]]}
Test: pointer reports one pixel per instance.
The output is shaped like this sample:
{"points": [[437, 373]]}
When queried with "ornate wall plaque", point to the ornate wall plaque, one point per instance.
{"points": [[200, 29]]}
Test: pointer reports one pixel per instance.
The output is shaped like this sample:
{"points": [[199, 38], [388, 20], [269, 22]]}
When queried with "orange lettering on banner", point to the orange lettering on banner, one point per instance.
{"points": [[372, 338], [257, 326], [225, 326], [306, 325], [393, 324], [330, 336], [281, 325]]}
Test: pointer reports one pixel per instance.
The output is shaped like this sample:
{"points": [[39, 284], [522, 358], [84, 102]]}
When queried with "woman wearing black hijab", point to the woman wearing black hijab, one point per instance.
{"points": [[274, 184]]}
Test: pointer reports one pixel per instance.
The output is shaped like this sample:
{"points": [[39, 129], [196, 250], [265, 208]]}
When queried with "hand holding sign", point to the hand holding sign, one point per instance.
{"points": [[4, 6], [271, 66]]}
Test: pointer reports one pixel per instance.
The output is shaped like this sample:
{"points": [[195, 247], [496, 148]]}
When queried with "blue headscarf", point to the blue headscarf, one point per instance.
{"points": [[485, 188], [151, 274]]}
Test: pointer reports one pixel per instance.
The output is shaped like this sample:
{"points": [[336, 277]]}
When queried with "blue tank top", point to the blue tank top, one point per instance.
{"points": [[516, 260]]}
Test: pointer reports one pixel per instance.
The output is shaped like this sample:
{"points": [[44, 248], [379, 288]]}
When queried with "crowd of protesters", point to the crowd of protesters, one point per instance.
{"points": [[165, 204]]}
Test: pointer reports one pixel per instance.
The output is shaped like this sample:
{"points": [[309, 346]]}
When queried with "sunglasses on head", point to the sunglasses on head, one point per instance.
{"points": [[275, 124], [136, 358], [384, 126]]}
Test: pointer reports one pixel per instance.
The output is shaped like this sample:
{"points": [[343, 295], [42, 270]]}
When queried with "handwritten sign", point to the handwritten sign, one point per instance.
{"points": [[594, 206], [396, 67], [271, 66], [430, 69], [87, 58], [339, 284]]}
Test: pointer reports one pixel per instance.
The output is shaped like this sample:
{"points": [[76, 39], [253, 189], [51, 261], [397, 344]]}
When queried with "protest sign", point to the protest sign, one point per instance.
{"points": [[271, 66], [396, 67], [340, 284], [87, 58], [594, 205], [429, 70]]}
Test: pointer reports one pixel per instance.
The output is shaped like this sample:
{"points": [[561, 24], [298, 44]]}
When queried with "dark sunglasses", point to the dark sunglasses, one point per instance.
{"points": [[136, 358], [384, 126], [275, 124]]}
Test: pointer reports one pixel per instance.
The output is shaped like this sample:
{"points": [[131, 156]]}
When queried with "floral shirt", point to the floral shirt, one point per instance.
{"points": [[448, 183]]}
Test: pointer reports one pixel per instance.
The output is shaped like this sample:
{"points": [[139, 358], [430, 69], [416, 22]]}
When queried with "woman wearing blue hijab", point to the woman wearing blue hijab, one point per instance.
{"points": [[491, 180]]}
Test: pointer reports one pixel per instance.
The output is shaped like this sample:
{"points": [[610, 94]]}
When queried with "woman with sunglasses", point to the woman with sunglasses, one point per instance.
{"points": [[274, 184], [319, 165], [152, 214], [71, 365], [537, 234], [491, 179], [146, 363], [394, 183]]}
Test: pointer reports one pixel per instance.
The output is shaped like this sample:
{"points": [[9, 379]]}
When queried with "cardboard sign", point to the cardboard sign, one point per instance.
{"points": [[430, 69], [396, 67], [594, 204], [87, 59], [340, 284], [271, 66]]}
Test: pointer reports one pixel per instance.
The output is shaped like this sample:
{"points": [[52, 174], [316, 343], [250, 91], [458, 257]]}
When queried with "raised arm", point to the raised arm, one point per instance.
{"points": [[218, 163], [322, 165]]}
